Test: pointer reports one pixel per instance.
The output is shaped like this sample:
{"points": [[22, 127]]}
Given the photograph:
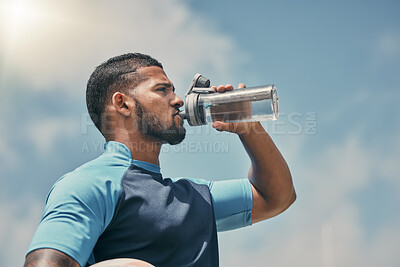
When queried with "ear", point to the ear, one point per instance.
{"points": [[122, 103]]}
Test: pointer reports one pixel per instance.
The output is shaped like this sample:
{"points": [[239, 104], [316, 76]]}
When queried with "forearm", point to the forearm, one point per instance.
{"points": [[269, 172]]}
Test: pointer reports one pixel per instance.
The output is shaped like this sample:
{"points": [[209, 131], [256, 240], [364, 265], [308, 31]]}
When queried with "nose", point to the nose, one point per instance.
{"points": [[177, 101]]}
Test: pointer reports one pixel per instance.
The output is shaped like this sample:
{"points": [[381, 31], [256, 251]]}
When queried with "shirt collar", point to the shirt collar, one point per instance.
{"points": [[122, 151]]}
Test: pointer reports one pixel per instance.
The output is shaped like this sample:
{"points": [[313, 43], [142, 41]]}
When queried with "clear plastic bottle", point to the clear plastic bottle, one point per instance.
{"points": [[248, 104], [203, 105]]}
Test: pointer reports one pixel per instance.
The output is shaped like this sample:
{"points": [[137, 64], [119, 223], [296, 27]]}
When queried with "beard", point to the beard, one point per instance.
{"points": [[149, 124]]}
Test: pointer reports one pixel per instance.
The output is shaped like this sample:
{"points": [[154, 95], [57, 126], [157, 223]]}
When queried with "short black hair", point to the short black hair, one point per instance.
{"points": [[111, 76]]}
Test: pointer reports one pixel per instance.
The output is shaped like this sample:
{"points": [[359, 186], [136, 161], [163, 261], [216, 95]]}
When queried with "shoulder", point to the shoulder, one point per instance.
{"points": [[91, 184], [79, 207]]}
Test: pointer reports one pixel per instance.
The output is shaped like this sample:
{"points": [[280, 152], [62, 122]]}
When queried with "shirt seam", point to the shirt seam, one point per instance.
{"points": [[233, 214]]}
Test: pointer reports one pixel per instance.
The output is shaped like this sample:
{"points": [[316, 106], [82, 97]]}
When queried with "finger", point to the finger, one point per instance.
{"points": [[241, 85], [220, 89], [218, 125], [222, 126], [214, 87], [229, 87]]}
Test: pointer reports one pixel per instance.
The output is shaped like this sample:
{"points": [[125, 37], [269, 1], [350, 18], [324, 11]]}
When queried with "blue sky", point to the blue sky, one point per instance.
{"points": [[334, 64]]}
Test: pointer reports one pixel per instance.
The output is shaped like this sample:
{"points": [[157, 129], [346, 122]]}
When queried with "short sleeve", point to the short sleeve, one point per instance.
{"points": [[76, 214], [232, 202]]}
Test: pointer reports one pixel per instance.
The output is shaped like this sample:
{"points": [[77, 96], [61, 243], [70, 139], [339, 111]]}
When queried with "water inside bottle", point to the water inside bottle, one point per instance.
{"points": [[259, 110]]}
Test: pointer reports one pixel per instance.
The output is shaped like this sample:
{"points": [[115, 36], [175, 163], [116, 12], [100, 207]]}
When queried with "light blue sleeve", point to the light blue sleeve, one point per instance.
{"points": [[77, 211], [232, 202]]}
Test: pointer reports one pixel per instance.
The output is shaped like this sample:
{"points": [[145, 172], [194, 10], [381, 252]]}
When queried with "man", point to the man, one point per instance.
{"points": [[118, 210]]}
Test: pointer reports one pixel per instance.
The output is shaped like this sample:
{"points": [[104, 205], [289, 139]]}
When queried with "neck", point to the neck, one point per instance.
{"points": [[142, 148]]}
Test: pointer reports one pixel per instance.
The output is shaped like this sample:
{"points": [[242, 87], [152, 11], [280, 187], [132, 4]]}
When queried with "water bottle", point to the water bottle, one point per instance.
{"points": [[203, 105]]}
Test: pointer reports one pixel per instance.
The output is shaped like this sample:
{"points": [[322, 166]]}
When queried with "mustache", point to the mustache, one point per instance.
{"points": [[177, 111]]}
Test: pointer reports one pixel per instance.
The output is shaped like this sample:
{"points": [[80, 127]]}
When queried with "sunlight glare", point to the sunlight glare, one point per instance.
{"points": [[17, 12], [17, 15]]}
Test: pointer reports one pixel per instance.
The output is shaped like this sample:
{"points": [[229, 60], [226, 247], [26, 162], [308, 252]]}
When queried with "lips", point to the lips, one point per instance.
{"points": [[180, 120], [176, 113]]}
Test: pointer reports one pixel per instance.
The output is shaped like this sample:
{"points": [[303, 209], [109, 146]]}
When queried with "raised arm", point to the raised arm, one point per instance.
{"points": [[272, 185]]}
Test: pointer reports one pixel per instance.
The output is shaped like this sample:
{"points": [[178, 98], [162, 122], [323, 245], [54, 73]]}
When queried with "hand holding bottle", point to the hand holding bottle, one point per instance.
{"points": [[238, 109]]}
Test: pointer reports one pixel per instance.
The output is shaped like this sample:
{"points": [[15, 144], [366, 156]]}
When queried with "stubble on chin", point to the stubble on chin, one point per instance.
{"points": [[150, 125]]}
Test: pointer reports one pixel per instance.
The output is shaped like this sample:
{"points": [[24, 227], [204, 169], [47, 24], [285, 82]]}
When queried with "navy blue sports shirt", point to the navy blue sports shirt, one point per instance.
{"points": [[117, 207]]}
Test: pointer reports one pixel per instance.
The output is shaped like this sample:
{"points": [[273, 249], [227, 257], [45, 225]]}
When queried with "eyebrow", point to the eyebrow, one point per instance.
{"points": [[168, 85]]}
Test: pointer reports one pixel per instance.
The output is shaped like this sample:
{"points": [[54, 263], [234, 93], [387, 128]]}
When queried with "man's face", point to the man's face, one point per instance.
{"points": [[157, 107]]}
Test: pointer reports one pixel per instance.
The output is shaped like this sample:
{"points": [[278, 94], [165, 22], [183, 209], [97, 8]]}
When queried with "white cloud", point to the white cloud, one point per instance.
{"points": [[8, 154], [388, 167], [386, 49], [65, 47], [44, 133], [389, 44], [324, 226], [16, 229]]}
